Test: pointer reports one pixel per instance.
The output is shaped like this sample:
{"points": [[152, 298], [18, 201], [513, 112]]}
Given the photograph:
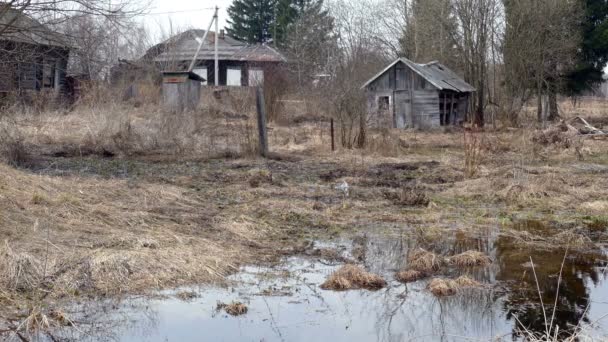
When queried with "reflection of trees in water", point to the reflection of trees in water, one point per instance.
{"points": [[402, 313], [522, 300], [109, 320]]}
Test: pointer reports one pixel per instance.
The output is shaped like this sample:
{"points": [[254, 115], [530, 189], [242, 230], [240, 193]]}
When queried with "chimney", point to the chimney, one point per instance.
{"points": [[222, 34]]}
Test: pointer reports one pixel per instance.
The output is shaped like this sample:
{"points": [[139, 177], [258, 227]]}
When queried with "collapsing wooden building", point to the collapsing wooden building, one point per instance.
{"points": [[32, 57], [410, 95]]}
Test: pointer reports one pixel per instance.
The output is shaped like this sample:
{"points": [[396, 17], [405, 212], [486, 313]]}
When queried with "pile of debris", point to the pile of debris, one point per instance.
{"points": [[565, 132]]}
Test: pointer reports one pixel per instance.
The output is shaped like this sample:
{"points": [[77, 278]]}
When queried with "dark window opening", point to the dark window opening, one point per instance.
{"points": [[383, 104], [48, 74], [448, 107]]}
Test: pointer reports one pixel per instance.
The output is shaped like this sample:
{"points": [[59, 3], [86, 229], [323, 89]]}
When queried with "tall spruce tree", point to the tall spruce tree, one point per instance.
{"points": [[262, 21], [252, 20], [593, 52]]}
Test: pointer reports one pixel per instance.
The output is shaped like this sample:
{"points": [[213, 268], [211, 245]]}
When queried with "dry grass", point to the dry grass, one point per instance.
{"points": [[233, 309], [441, 287], [126, 200], [350, 277], [465, 281], [408, 276], [408, 196], [187, 295], [425, 261], [470, 258]]}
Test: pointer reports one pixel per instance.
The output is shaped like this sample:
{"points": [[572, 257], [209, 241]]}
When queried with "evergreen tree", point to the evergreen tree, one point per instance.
{"points": [[252, 20], [263, 21], [593, 52]]}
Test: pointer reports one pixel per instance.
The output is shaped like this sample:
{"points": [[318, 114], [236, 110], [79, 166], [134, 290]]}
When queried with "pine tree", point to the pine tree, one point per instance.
{"points": [[252, 20], [593, 52]]}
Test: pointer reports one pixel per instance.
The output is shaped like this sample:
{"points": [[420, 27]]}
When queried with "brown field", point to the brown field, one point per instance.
{"points": [[127, 200]]}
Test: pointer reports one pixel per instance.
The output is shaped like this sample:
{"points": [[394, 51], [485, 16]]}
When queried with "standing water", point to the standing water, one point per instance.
{"points": [[285, 302]]}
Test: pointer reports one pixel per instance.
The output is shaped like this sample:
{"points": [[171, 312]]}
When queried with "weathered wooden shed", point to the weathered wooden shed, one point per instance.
{"points": [[411, 95], [181, 90]]}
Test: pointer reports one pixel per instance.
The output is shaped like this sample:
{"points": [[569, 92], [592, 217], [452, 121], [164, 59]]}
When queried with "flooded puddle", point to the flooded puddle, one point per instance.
{"points": [[285, 302]]}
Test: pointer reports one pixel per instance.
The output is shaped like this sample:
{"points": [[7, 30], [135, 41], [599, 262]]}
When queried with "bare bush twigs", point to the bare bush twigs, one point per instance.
{"points": [[473, 152]]}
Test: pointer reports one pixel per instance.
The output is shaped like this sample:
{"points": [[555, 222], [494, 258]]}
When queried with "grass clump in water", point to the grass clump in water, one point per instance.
{"points": [[441, 287], [233, 309], [408, 276], [350, 277], [425, 261], [470, 258]]}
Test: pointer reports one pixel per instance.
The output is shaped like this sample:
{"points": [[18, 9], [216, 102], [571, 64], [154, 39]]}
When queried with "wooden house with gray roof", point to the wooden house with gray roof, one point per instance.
{"points": [[411, 95], [240, 63]]}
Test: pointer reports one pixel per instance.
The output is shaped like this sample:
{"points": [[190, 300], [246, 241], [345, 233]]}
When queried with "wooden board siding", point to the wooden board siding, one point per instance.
{"points": [[426, 109], [24, 64]]}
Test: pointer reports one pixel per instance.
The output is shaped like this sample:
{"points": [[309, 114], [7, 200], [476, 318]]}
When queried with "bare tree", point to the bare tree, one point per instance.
{"points": [[360, 56], [541, 40]]}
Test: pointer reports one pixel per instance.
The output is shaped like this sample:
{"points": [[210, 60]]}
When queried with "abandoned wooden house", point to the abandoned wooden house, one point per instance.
{"points": [[240, 64], [32, 57], [410, 95]]}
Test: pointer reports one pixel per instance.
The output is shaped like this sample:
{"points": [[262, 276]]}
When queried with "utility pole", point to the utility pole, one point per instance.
{"points": [[217, 32], [193, 63]]}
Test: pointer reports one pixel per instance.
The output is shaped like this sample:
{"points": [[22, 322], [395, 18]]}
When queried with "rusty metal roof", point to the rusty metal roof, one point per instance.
{"points": [[183, 47], [434, 72]]}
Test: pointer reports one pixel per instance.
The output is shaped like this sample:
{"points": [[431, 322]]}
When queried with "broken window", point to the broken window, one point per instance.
{"points": [[256, 77], [202, 72], [48, 73], [233, 76], [383, 104]]}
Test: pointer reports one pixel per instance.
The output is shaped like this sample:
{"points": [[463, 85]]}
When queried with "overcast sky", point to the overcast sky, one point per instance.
{"points": [[182, 14]]}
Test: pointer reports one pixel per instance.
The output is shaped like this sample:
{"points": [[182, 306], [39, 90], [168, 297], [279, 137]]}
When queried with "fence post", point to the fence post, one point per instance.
{"points": [[333, 146], [261, 109]]}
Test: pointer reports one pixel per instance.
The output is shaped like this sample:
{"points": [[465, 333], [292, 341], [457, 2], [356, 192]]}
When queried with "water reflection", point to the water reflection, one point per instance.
{"points": [[286, 304], [582, 271]]}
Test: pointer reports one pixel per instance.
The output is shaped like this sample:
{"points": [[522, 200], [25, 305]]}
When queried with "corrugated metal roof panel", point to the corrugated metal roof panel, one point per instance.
{"points": [[435, 73]]}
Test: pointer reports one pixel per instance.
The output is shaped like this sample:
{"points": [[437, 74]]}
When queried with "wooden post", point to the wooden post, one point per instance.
{"points": [[333, 146], [261, 109]]}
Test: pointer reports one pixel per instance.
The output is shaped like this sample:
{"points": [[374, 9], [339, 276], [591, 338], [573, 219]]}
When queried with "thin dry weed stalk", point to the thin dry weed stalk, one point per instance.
{"points": [[473, 143]]}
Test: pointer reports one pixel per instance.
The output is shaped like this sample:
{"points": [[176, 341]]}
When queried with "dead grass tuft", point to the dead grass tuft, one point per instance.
{"points": [[408, 196], [465, 281], [470, 258], [408, 276], [350, 277], [425, 261], [443, 287], [20, 271], [233, 309], [187, 295]]}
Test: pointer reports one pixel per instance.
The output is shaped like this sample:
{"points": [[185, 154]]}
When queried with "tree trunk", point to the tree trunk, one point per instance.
{"points": [[539, 109], [553, 111], [479, 117]]}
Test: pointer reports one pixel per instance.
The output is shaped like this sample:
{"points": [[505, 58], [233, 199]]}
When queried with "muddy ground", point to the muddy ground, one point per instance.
{"points": [[109, 224]]}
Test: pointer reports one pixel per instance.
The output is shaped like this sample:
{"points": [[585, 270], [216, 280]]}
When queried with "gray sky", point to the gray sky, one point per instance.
{"points": [[182, 14]]}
